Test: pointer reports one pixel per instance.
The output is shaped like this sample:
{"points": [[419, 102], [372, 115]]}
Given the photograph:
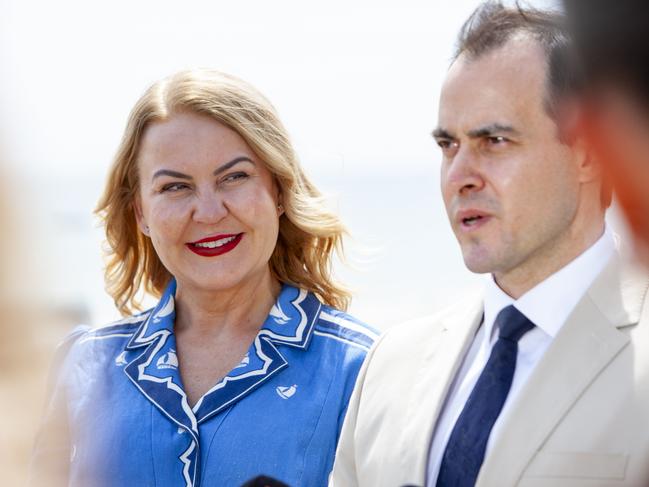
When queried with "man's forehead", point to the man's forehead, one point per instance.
{"points": [[520, 58], [498, 86]]}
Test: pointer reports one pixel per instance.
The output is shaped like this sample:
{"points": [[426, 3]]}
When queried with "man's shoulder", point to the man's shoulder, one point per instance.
{"points": [[620, 290], [408, 341], [417, 331]]}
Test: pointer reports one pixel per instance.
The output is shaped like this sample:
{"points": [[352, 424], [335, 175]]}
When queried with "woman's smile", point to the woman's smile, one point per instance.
{"points": [[216, 245], [203, 190]]}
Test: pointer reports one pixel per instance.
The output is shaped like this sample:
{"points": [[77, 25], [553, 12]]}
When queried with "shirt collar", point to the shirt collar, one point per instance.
{"points": [[290, 321], [155, 371], [549, 304]]}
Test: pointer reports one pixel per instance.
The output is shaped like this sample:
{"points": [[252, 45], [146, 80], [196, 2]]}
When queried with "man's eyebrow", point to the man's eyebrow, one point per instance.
{"points": [[492, 129], [169, 172], [440, 133], [233, 162]]}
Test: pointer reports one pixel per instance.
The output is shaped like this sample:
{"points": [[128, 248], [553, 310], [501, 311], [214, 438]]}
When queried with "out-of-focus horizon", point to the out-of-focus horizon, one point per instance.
{"points": [[355, 84]]}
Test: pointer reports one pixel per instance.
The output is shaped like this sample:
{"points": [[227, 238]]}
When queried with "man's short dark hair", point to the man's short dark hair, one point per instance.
{"points": [[492, 25]]}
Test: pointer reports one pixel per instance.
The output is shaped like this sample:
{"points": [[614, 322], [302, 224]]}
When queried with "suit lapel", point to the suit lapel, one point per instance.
{"points": [[431, 382], [584, 346]]}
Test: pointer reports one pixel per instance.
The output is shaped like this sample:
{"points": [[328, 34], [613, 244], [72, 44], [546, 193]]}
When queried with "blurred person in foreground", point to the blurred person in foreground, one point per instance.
{"points": [[612, 39], [543, 379], [30, 326], [246, 364]]}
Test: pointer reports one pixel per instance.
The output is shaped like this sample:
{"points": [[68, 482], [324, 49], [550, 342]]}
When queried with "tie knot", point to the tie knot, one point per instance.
{"points": [[512, 324]]}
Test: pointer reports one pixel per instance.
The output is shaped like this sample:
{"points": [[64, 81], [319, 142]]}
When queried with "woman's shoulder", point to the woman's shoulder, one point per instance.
{"points": [[108, 338], [344, 330]]}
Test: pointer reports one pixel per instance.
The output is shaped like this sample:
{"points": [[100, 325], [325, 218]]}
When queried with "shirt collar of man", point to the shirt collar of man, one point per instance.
{"points": [[549, 304]]}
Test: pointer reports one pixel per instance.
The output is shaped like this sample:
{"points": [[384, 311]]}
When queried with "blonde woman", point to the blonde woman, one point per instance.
{"points": [[246, 364]]}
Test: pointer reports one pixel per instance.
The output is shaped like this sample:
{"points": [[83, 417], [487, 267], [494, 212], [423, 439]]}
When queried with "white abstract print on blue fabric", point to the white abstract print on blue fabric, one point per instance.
{"points": [[278, 412]]}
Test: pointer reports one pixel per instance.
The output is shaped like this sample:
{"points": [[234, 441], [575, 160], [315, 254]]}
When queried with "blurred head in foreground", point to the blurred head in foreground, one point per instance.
{"points": [[612, 39]]}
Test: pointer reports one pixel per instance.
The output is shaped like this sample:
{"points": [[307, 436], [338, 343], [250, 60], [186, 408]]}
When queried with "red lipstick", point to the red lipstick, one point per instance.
{"points": [[215, 245]]}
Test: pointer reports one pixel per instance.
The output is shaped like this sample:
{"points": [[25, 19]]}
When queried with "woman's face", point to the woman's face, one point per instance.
{"points": [[207, 202]]}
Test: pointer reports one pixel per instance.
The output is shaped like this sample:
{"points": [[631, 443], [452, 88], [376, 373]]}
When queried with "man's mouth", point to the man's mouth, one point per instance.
{"points": [[472, 219]]}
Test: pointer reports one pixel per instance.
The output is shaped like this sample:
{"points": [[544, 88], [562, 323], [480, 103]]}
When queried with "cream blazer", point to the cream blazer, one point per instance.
{"points": [[582, 419]]}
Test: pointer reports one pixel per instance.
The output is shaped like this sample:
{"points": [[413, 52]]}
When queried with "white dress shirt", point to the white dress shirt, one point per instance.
{"points": [[548, 305]]}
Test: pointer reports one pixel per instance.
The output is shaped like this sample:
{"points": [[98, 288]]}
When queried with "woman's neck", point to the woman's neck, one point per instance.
{"points": [[235, 310]]}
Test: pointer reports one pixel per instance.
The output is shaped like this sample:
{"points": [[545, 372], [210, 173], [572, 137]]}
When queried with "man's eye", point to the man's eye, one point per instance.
{"points": [[497, 140], [445, 143]]}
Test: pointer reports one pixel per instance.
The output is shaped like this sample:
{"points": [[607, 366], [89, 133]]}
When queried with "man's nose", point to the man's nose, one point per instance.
{"points": [[462, 173]]}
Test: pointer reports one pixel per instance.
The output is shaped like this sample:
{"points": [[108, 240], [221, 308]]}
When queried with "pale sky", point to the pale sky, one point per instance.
{"points": [[356, 84]]}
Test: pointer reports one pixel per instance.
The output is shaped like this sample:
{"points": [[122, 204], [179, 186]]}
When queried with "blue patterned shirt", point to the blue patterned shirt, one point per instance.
{"points": [[127, 420]]}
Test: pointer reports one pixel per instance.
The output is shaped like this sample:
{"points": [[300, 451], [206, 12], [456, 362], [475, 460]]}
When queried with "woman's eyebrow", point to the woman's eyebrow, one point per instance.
{"points": [[169, 172], [180, 175], [233, 162]]}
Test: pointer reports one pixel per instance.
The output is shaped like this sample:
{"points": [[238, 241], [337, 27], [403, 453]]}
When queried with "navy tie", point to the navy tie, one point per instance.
{"points": [[466, 446]]}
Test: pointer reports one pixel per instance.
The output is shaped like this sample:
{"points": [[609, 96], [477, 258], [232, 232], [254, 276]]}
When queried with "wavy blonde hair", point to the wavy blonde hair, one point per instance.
{"points": [[308, 233]]}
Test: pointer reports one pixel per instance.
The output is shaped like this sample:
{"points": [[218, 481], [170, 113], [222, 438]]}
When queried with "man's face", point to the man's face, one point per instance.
{"points": [[511, 189]]}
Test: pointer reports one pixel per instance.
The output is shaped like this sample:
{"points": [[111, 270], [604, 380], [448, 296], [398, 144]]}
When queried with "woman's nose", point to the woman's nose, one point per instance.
{"points": [[210, 207]]}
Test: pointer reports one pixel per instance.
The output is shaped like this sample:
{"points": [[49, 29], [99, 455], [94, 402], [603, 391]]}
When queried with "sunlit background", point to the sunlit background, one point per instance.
{"points": [[356, 83]]}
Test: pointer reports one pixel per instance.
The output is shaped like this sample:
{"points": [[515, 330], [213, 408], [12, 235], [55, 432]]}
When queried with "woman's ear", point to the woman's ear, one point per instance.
{"points": [[280, 205], [139, 217]]}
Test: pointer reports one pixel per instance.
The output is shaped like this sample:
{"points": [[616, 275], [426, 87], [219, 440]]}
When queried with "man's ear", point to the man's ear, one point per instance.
{"points": [[570, 123], [588, 166], [139, 217]]}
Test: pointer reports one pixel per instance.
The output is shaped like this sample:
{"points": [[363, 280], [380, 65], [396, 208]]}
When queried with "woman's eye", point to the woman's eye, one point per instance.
{"points": [[173, 187], [237, 176]]}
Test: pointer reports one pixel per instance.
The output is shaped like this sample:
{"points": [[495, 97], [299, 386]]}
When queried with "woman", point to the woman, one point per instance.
{"points": [[246, 364]]}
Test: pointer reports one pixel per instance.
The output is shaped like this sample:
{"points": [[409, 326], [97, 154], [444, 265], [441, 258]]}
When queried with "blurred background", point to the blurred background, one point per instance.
{"points": [[356, 84]]}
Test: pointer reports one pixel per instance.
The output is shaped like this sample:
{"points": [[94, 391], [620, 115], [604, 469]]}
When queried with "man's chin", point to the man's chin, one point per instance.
{"points": [[479, 264]]}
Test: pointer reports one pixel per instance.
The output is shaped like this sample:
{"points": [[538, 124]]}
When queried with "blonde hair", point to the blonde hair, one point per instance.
{"points": [[308, 233]]}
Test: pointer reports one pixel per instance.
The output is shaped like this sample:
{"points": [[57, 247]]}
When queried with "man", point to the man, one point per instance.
{"points": [[613, 44], [543, 380]]}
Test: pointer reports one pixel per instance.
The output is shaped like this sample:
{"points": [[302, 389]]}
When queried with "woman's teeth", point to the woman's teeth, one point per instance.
{"points": [[216, 243]]}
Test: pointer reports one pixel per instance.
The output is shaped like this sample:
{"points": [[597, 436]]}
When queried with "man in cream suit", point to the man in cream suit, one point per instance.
{"points": [[543, 380]]}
